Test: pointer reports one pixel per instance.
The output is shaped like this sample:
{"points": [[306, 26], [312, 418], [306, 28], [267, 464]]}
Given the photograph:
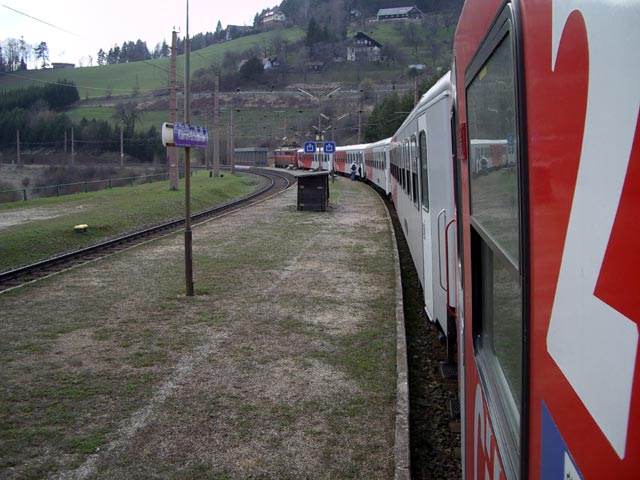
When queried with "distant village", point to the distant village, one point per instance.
{"points": [[359, 48]]}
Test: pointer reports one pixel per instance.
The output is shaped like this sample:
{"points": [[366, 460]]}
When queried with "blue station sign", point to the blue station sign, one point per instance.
{"points": [[329, 147], [309, 147], [184, 135]]}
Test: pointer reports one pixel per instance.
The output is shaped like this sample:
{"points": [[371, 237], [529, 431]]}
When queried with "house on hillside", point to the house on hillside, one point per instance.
{"points": [[363, 48], [273, 18], [270, 63], [400, 12]]}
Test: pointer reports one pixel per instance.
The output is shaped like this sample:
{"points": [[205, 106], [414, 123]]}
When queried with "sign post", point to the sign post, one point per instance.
{"points": [[186, 136], [329, 148]]}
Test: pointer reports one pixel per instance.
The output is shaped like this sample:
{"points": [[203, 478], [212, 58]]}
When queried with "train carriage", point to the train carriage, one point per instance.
{"points": [[515, 179], [548, 319], [422, 191], [314, 161], [347, 155], [376, 159]]}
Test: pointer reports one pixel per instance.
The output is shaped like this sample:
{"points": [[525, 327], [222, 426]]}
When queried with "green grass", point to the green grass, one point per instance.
{"points": [[259, 374], [125, 79], [108, 213]]}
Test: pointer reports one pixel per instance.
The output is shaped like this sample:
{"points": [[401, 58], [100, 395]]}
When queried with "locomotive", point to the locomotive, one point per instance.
{"points": [[516, 181]]}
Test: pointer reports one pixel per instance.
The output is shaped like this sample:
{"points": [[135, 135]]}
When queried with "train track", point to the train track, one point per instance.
{"points": [[276, 182]]}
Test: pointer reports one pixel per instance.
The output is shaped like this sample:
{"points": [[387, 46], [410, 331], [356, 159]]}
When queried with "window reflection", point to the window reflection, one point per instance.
{"points": [[492, 159], [493, 170]]}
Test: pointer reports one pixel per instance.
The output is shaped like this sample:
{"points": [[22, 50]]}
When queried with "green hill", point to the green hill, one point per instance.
{"points": [[139, 77], [271, 107]]}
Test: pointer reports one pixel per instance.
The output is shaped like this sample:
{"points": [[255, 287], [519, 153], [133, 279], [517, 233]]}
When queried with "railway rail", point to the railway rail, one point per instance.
{"points": [[276, 182]]}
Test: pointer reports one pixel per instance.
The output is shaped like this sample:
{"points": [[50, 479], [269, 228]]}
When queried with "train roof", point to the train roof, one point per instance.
{"points": [[441, 88], [380, 143], [344, 148]]}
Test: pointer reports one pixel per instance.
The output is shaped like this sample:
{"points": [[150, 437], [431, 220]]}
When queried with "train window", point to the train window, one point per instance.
{"points": [[424, 174], [495, 235], [414, 170], [402, 165], [494, 181], [407, 166]]}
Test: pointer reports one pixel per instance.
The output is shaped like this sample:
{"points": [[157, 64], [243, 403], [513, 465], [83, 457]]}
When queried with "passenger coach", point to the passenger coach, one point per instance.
{"points": [[515, 179], [548, 308]]}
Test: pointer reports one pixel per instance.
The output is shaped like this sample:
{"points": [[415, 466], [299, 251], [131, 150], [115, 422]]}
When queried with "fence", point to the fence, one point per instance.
{"points": [[25, 194]]}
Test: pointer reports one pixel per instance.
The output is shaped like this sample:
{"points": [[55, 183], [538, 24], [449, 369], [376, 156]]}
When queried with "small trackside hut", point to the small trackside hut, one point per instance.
{"points": [[313, 191]]}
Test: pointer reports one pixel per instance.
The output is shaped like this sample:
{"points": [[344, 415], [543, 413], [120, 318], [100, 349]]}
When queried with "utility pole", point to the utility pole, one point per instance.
{"points": [[121, 147], [216, 126], [18, 147], [232, 143], [229, 142], [173, 113], [73, 148], [188, 235], [360, 106]]}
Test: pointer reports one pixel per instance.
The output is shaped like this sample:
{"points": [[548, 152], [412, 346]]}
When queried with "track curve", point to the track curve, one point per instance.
{"points": [[276, 182]]}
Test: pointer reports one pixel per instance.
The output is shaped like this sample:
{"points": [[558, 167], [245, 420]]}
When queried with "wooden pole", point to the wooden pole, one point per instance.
{"points": [[173, 114], [121, 147], [73, 147], [232, 144], [188, 235], [216, 126], [19, 160]]}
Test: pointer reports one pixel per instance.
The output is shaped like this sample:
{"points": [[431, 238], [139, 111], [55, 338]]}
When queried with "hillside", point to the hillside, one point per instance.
{"points": [[270, 108]]}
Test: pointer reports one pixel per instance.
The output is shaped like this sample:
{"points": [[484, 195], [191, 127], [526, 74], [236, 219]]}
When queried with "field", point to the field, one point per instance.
{"points": [[38, 229]]}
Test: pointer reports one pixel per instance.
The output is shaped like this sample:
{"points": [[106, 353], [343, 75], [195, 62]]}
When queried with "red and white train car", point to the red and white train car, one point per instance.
{"points": [[376, 162], [421, 185], [314, 161], [549, 299], [347, 155]]}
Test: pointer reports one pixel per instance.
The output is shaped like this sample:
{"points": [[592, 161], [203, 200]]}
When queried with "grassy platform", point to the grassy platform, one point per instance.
{"points": [[281, 366]]}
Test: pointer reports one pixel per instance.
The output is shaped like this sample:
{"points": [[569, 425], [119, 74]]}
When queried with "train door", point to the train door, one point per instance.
{"points": [[437, 181], [427, 233], [496, 259]]}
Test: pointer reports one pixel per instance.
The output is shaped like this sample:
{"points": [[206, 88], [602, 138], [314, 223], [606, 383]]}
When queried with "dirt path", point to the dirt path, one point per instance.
{"points": [[9, 218]]}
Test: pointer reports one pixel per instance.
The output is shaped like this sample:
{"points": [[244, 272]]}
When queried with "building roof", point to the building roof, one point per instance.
{"points": [[364, 36], [397, 11]]}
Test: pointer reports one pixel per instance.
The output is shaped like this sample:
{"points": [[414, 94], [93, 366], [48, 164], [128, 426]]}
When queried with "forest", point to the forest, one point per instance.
{"points": [[33, 117]]}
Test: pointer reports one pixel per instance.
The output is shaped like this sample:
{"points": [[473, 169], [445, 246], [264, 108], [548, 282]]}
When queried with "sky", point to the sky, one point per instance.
{"points": [[77, 29]]}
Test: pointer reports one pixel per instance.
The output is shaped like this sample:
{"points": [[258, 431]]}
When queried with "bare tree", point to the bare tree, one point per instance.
{"points": [[126, 115]]}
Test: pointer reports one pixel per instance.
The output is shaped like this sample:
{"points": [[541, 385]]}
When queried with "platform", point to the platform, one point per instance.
{"points": [[282, 365]]}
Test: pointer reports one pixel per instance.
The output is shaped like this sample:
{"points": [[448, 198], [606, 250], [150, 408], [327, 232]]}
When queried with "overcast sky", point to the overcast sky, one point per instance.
{"points": [[75, 29]]}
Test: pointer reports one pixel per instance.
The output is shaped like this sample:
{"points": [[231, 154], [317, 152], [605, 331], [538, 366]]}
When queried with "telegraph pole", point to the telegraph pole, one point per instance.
{"points": [[173, 114], [73, 148], [188, 236], [232, 143], [121, 147], [18, 147], [216, 126]]}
